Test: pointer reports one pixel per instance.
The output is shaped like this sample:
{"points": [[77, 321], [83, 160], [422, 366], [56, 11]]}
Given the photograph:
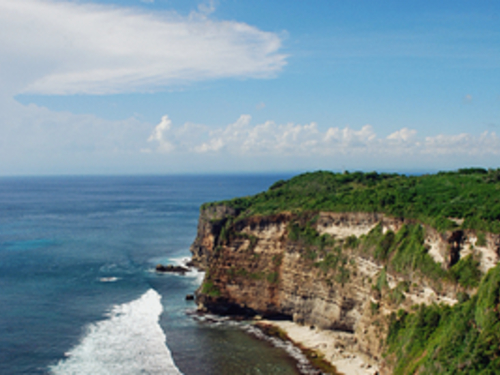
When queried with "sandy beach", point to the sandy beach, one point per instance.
{"points": [[330, 344]]}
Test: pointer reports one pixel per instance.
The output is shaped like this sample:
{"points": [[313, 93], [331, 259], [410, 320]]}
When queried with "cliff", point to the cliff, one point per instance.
{"points": [[349, 272]]}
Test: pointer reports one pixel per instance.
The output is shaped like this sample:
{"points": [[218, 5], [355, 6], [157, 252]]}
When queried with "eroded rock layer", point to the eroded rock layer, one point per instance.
{"points": [[255, 265]]}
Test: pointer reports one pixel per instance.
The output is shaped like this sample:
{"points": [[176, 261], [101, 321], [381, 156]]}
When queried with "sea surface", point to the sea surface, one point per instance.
{"points": [[78, 291]]}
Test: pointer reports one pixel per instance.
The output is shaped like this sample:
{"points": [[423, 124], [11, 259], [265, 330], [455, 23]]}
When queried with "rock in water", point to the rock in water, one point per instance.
{"points": [[171, 268]]}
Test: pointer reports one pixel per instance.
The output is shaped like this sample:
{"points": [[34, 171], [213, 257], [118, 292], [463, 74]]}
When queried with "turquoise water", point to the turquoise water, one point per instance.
{"points": [[78, 294]]}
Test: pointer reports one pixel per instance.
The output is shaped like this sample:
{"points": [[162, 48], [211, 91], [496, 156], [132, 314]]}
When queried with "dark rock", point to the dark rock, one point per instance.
{"points": [[189, 297], [455, 241], [171, 268]]}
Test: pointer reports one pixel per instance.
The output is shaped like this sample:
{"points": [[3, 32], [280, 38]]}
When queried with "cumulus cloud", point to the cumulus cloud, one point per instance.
{"points": [[160, 135], [42, 141], [487, 143], [403, 135], [67, 47], [244, 138]]}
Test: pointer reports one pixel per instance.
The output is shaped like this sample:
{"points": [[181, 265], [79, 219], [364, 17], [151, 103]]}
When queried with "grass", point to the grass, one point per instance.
{"points": [[210, 289], [435, 339], [466, 272], [403, 252], [438, 339], [469, 194]]}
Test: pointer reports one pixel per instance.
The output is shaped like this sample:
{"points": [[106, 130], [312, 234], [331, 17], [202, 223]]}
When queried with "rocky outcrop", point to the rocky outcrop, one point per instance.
{"points": [[254, 266], [212, 220], [169, 268]]}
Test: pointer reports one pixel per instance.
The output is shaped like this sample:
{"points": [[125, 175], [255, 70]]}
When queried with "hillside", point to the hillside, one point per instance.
{"points": [[469, 194], [403, 268]]}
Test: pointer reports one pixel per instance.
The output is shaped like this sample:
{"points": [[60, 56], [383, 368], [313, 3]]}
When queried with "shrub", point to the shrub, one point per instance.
{"points": [[466, 272], [210, 289], [481, 239]]}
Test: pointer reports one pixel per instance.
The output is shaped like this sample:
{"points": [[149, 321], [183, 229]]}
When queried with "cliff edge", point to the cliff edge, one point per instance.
{"points": [[354, 273]]}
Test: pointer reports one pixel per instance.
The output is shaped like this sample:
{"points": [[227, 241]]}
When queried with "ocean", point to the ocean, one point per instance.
{"points": [[78, 291]]}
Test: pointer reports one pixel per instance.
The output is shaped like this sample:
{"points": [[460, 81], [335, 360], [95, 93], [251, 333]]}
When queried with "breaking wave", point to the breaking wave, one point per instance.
{"points": [[130, 341]]}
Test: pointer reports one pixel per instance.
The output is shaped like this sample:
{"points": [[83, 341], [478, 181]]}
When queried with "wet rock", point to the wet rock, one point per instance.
{"points": [[171, 268]]}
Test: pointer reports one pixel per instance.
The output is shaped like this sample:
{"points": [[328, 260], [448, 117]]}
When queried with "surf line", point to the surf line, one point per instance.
{"points": [[130, 341]]}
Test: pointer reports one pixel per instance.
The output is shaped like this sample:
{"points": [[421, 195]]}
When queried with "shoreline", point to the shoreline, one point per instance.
{"points": [[321, 348], [326, 343]]}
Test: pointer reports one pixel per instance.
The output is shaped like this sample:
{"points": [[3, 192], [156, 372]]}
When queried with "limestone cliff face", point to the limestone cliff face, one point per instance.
{"points": [[254, 267], [210, 224]]}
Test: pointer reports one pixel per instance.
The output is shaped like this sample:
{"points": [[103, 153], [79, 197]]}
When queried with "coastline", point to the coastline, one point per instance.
{"points": [[318, 346], [327, 344]]}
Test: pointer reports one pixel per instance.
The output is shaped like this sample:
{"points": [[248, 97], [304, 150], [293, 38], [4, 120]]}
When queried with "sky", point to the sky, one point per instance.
{"points": [[239, 86]]}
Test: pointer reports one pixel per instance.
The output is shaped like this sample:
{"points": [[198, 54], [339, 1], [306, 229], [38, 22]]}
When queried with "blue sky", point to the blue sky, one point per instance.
{"points": [[171, 86]]}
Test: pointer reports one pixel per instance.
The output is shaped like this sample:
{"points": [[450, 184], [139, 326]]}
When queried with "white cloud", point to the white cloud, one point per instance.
{"points": [[38, 140], [208, 7], [403, 135], [244, 139], [65, 47], [487, 143], [160, 135], [348, 138]]}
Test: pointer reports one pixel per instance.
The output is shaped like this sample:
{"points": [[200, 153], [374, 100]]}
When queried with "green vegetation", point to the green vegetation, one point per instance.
{"points": [[210, 289], [481, 239], [374, 307], [272, 277], [227, 233], [334, 260], [396, 295], [253, 240], [438, 339], [470, 194], [466, 272], [233, 273], [305, 234], [435, 339], [403, 252], [381, 283]]}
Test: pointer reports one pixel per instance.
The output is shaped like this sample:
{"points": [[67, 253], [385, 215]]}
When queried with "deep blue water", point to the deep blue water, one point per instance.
{"points": [[77, 291]]}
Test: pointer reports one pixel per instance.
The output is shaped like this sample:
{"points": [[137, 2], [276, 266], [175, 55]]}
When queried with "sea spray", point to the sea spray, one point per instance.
{"points": [[129, 341], [193, 273], [303, 364]]}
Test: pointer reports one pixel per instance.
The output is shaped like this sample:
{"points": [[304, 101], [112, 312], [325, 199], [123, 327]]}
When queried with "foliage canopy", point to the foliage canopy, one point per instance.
{"points": [[438, 200]]}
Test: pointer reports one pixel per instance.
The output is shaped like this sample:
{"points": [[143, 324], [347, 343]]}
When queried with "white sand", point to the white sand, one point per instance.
{"points": [[329, 344]]}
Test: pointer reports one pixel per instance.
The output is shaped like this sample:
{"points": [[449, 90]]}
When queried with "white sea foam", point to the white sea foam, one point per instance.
{"points": [[129, 342], [303, 364], [197, 276], [109, 279], [182, 261]]}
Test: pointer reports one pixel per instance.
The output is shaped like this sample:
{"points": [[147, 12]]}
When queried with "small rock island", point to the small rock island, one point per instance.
{"points": [[171, 268]]}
